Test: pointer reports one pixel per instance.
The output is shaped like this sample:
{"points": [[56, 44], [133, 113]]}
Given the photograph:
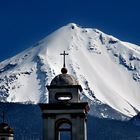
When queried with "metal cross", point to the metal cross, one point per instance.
{"points": [[64, 54]]}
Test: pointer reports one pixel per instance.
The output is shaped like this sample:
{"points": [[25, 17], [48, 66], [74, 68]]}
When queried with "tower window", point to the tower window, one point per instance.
{"points": [[63, 130], [63, 96]]}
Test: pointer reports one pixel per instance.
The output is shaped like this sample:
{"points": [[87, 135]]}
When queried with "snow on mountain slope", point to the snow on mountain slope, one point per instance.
{"points": [[108, 69]]}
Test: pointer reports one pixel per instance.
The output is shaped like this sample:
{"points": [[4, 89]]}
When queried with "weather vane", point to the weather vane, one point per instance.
{"points": [[64, 54]]}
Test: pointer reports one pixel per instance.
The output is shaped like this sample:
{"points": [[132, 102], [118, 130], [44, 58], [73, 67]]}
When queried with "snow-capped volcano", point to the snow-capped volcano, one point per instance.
{"points": [[108, 69]]}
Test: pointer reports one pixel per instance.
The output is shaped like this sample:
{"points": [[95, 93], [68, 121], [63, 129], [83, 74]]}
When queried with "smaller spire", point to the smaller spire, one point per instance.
{"points": [[3, 116]]}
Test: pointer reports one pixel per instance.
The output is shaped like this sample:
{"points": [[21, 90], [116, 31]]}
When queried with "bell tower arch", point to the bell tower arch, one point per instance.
{"points": [[63, 129]]}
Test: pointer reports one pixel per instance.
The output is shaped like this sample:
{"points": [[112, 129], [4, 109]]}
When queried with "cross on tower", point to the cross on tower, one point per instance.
{"points": [[64, 54]]}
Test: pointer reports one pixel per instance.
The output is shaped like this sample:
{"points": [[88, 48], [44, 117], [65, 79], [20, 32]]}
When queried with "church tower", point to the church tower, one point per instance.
{"points": [[64, 117]]}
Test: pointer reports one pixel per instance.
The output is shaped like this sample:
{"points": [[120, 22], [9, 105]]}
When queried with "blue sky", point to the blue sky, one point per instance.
{"points": [[24, 22]]}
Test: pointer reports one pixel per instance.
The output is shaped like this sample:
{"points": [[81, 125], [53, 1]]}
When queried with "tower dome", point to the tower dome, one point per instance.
{"points": [[64, 80], [64, 87]]}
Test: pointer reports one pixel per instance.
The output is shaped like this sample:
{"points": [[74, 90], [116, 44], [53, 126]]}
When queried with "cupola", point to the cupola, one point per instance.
{"points": [[64, 87]]}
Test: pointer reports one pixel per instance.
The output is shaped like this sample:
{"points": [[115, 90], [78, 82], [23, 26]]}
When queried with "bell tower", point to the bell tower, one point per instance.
{"points": [[64, 117]]}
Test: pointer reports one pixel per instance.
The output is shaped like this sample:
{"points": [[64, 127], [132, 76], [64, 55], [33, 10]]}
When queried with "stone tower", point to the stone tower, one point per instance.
{"points": [[64, 117]]}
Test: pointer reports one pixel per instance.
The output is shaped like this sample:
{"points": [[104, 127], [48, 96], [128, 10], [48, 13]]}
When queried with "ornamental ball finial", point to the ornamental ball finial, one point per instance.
{"points": [[64, 71]]}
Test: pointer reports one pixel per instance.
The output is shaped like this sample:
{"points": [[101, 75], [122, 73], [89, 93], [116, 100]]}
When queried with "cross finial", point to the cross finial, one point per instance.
{"points": [[64, 54]]}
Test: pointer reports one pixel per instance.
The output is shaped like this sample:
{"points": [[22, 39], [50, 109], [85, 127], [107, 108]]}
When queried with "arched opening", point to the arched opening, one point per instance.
{"points": [[63, 96], [63, 130]]}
